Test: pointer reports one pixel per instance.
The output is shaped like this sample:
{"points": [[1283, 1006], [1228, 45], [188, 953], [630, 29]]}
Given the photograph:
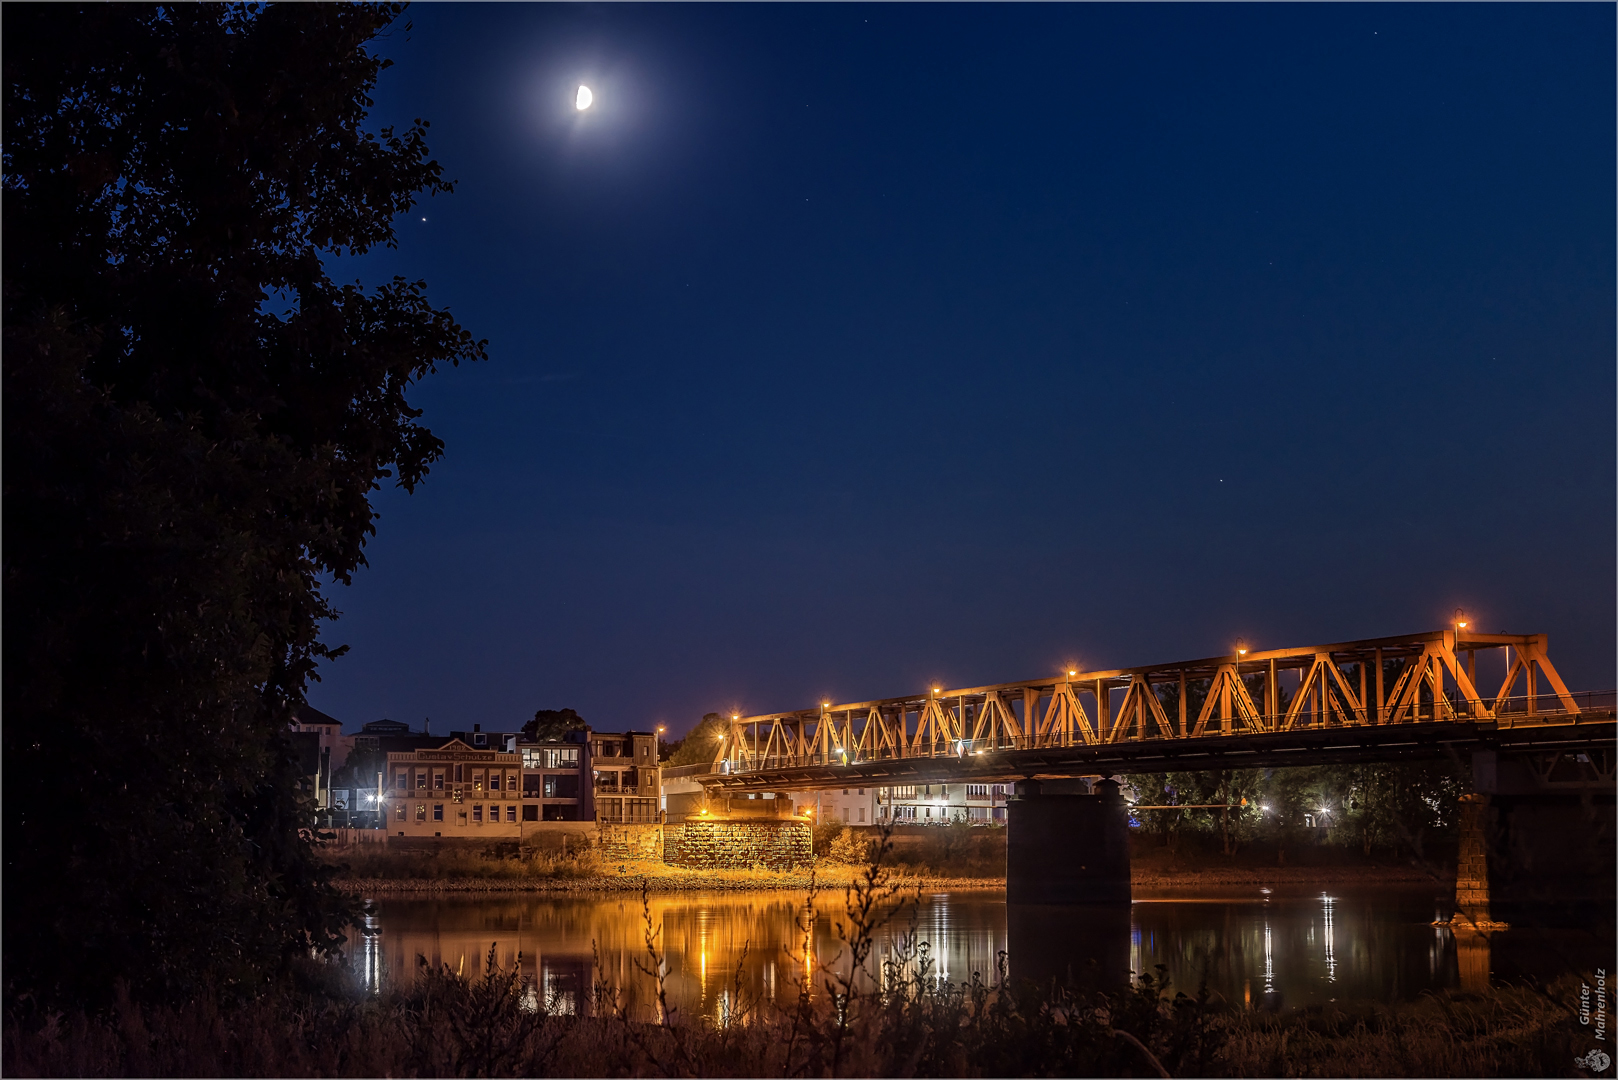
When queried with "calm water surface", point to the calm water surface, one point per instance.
{"points": [[1261, 949]]}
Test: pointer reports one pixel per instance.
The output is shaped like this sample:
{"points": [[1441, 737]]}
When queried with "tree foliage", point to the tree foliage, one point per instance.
{"points": [[195, 416], [700, 744], [1392, 808], [552, 725]]}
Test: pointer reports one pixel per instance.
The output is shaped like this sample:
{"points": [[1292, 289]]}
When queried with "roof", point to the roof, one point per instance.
{"points": [[308, 714]]}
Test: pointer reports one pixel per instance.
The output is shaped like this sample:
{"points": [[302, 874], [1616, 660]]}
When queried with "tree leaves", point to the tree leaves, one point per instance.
{"points": [[184, 466]]}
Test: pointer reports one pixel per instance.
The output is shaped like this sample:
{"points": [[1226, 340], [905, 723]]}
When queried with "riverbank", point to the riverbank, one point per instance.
{"points": [[660, 877], [629, 876]]}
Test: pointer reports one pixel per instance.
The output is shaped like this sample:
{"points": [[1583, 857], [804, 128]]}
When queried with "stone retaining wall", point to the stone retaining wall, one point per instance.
{"points": [[620, 841], [737, 845]]}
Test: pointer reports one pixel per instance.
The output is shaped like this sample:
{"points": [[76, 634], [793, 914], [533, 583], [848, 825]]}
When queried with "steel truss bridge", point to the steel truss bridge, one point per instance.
{"points": [[1378, 699]]}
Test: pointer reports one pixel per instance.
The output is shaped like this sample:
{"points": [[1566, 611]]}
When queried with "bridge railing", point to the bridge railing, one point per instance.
{"points": [[678, 772], [1543, 707], [1515, 712]]}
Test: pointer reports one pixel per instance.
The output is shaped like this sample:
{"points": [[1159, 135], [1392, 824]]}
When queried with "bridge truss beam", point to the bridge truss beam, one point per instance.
{"points": [[1165, 712]]}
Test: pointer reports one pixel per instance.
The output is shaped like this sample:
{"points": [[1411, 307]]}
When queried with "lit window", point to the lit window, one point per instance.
{"points": [[421, 779], [421, 811], [399, 812], [438, 780], [477, 781]]}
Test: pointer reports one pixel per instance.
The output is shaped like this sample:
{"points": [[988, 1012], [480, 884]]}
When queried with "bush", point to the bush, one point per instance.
{"points": [[846, 849], [823, 835]]}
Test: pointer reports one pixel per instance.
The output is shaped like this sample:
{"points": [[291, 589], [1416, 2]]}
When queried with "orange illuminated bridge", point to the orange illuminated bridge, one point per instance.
{"points": [[1419, 695]]}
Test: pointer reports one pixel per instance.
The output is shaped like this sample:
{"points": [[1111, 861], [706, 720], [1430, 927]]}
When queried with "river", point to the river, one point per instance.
{"points": [[1261, 948]]}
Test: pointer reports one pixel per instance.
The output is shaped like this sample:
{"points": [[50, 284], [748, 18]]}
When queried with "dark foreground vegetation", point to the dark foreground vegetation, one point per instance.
{"points": [[856, 1014], [451, 1026], [195, 417], [905, 1023]]}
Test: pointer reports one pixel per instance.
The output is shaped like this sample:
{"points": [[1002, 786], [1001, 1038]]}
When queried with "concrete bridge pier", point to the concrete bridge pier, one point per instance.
{"points": [[1067, 849], [1067, 886], [1538, 841]]}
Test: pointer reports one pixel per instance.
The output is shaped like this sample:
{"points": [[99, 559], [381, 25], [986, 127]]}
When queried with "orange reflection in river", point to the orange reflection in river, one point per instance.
{"points": [[716, 946]]}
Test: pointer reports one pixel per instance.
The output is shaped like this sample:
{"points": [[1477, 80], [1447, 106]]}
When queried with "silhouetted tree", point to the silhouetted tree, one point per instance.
{"points": [[701, 743], [195, 416], [551, 725]]}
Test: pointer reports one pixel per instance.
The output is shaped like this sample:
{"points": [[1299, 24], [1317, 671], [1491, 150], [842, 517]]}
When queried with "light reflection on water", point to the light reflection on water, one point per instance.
{"points": [[723, 950]]}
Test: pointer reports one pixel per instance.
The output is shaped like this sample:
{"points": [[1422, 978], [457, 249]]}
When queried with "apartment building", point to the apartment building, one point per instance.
{"points": [[851, 806], [455, 790], [556, 778], [625, 777], [940, 804], [493, 784], [333, 747]]}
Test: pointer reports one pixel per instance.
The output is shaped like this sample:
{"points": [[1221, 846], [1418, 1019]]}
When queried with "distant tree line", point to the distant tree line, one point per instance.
{"points": [[1394, 809]]}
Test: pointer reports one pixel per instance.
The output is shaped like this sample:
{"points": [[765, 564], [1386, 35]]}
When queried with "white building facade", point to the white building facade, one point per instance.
{"points": [[851, 806], [941, 804]]}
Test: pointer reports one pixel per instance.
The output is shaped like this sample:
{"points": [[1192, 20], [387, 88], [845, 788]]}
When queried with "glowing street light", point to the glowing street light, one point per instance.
{"points": [[1460, 619], [1241, 646]]}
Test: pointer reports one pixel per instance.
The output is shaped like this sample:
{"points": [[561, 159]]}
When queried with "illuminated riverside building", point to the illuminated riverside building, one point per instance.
{"points": [[625, 777], [455, 790], [917, 804], [506, 787], [851, 806], [941, 804]]}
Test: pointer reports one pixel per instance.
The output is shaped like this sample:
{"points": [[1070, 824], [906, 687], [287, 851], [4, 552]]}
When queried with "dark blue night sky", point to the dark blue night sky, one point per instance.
{"points": [[840, 351]]}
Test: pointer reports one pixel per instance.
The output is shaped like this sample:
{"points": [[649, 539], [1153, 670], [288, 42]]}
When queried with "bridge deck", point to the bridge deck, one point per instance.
{"points": [[1586, 732], [1380, 698]]}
